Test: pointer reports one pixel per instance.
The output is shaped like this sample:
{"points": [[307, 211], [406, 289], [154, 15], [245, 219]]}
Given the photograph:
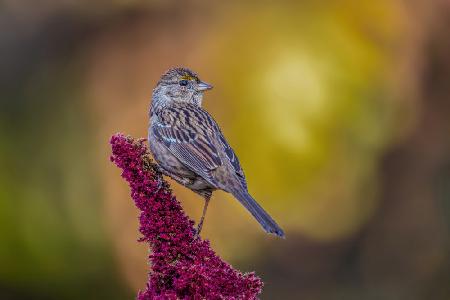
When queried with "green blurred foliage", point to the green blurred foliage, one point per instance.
{"points": [[52, 237]]}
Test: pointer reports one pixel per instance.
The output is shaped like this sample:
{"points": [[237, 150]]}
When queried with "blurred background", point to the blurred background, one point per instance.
{"points": [[338, 110]]}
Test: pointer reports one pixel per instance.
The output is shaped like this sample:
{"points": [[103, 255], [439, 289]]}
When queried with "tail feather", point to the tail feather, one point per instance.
{"points": [[266, 221]]}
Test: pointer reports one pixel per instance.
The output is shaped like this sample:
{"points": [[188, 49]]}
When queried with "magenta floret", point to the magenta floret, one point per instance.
{"points": [[183, 266]]}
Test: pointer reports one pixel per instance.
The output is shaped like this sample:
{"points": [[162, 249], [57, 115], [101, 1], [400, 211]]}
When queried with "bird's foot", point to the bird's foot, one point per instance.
{"points": [[197, 231]]}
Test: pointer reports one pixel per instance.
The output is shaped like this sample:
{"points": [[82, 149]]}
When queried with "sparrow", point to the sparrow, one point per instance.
{"points": [[188, 145]]}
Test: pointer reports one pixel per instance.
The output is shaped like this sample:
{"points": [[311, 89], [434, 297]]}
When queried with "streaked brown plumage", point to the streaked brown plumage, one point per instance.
{"points": [[189, 146]]}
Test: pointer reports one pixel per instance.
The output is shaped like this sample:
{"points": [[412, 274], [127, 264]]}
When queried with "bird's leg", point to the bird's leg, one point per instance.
{"points": [[205, 207]]}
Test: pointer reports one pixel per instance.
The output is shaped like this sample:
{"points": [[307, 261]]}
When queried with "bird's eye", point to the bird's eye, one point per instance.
{"points": [[183, 82]]}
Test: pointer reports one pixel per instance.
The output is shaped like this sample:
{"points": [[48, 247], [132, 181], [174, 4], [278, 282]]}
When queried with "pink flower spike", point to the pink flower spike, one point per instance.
{"points": [[183, 266]]}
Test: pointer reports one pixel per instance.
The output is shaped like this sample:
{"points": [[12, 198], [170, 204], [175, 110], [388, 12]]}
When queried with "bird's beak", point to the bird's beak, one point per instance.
{"points": [[203, 86]]}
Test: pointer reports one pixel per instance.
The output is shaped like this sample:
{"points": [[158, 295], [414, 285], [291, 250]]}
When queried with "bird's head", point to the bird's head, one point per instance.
{"points": [[181, 85]]}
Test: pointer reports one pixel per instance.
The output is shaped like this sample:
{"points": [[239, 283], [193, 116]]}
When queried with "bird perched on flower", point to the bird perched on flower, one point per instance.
{"points": [[189, 146]]}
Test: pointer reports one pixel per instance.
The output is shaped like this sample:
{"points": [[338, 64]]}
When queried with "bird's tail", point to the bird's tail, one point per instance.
{"points": [[259, 213]]}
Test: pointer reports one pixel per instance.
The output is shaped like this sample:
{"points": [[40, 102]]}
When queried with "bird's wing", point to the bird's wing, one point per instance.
{"points": [[193, 136], [232, 158], [189, 135]]}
